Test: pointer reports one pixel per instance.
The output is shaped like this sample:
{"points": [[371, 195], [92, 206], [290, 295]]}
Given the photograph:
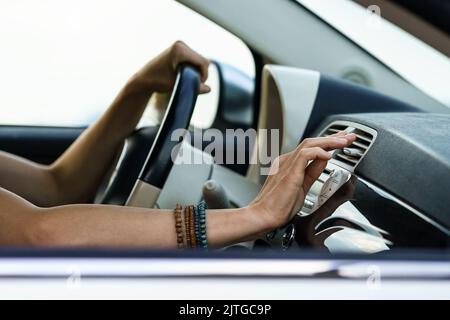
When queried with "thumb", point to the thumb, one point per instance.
{"points": [[312, 173], [204, 89]]}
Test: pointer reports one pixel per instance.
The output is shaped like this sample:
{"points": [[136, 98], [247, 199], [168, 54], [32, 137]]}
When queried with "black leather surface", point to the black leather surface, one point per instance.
{"points": [[40, 144], [410, 159]]}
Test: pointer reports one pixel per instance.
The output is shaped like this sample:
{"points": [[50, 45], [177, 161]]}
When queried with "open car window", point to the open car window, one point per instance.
{"points": [[63, 62]]}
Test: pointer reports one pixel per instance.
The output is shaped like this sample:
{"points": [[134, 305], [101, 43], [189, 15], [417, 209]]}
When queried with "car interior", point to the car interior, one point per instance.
{"points": [[383, 192], [388, 191]]}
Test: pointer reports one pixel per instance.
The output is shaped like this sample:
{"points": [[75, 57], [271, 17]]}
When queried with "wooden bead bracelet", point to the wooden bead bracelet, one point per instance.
{"points": [[190, 226]]}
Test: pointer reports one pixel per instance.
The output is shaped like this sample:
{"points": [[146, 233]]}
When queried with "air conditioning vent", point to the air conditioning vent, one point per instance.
{"points": [[352, 155]]}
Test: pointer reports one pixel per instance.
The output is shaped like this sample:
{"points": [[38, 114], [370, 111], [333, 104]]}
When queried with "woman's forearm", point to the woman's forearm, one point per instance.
{"points": [[79, 171], [110, 226], [76, 175], [281, 197], [24, 224]]}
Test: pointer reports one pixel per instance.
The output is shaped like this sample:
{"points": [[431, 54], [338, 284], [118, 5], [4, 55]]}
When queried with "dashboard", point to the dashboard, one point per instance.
{"points": [[366, 199], [388, 190]]}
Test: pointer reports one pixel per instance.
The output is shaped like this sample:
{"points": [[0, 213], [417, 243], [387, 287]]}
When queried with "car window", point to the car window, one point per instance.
{"points": [[63, 62]]}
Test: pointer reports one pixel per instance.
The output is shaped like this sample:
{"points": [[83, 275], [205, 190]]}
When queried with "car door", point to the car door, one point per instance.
{"points": [[39, 144]]}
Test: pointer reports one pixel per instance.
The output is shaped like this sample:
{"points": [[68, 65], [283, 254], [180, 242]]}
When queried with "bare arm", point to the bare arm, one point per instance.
{"points": [[23, 224], [75, 176]]}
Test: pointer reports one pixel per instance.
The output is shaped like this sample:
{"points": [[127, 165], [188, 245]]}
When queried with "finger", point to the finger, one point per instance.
{"points": [[304, 157], [201, 63], [294, 177], [204, 89], [184, 54], [329, 143], [290, 158], [297, 171], [325, 144], [281, 163], [340, 133], [312, 173], [205, 69], [198, 61]]}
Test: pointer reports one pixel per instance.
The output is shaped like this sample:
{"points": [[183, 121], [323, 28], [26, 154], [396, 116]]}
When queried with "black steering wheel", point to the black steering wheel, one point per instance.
{"points": [[157, 165]]}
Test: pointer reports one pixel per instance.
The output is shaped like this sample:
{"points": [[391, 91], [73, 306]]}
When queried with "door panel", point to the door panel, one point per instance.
{"points": [[39, 144]]}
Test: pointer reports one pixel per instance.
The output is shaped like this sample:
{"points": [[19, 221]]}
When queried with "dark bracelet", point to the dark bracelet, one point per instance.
{"points": [[187, 226], [179, 227], [202, 224], [192, 227], [197, 226]]}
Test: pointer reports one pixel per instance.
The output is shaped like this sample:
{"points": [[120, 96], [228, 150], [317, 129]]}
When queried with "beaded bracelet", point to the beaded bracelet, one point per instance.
{"points": [[202, 225], [197, 226], [187, 226], [192, 227], [179, 227]]}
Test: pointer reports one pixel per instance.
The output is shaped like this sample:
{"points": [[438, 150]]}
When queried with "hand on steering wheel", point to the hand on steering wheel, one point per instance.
{"points": [[158, 164], [160, 73], [182, 72]]}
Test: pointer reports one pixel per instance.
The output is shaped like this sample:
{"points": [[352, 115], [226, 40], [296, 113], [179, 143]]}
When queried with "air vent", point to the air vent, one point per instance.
{"points": [[352, 155]]}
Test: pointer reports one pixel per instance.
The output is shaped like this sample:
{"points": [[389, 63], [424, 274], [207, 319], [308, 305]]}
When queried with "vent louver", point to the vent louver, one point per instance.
{"points": [[353, 154]]}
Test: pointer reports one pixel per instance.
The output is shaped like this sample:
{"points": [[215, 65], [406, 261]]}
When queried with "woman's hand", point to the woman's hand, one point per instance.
{"points": [[291, 177], [160, 73]]}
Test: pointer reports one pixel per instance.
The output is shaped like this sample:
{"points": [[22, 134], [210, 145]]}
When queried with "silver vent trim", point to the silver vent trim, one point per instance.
{"points": [[350, 157]]}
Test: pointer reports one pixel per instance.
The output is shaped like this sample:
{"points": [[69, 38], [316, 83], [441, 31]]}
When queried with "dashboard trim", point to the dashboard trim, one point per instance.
{"points": [[410, 159], [390, 197]]}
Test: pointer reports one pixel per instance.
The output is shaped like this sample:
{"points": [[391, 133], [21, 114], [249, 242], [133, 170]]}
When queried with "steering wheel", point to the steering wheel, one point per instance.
{"points": [[158, 162]]}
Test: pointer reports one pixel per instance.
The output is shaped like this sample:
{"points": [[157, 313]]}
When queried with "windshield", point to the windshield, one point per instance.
{"points": [[402, 44]]}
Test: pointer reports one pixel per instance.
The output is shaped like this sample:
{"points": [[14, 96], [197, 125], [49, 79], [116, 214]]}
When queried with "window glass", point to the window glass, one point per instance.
{"points": [[425, 68], [63, 62]]}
